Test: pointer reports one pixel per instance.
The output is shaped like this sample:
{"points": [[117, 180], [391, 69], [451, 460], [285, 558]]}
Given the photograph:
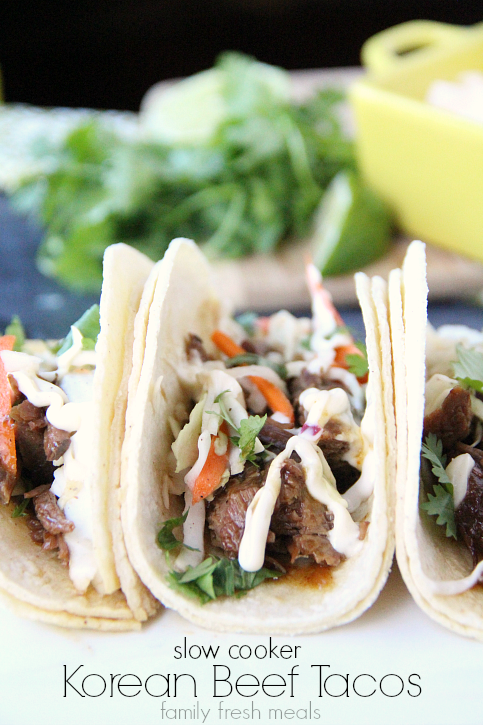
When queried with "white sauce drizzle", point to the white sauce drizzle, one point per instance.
{"points": [[344, 536], [71, 482]]}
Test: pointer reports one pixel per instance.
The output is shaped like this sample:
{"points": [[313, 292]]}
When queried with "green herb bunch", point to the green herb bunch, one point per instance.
{"points": [[255, 183]]}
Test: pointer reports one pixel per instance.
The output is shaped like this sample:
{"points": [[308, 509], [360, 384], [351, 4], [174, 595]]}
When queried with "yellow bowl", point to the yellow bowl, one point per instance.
{"points": [[426, 162]]}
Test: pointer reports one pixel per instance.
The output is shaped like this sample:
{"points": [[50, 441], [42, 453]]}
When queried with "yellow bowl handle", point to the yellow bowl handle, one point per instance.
{"points": [[391, 47]]}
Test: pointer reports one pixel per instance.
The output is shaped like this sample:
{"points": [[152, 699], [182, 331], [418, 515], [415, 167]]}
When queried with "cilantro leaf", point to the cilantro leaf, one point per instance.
{"points": [[441, 502], [16, 328], [89, 326], [166, 539], [432, 449], [19, 510], [217, 577], [358, 364], [249, 429], [469, 368]]}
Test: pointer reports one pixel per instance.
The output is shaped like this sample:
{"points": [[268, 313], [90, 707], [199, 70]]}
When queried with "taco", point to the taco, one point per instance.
{"points": [[62, 555], [439, 413], [258, 457]]}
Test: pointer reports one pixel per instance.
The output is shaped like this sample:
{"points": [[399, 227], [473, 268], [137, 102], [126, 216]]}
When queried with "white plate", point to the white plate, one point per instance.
{"points": [[392, 638]]}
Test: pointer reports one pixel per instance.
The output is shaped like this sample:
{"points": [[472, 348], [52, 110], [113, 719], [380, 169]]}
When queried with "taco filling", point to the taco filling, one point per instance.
{"points": [[452, 451], [45, 442], [276, 462]]}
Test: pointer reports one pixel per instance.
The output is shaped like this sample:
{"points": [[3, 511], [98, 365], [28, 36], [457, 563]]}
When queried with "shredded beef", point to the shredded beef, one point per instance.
{"points": [[303, 518], [226, 513], [30, 425], [56, 442], [194, 342], [50, 515], [299, 525], [452, 421], [275, 435], [469, 514], [7, 484], [317, 547]]}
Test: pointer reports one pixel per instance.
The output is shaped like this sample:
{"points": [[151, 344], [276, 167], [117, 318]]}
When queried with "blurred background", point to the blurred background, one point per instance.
{"points": [[106, 54]]}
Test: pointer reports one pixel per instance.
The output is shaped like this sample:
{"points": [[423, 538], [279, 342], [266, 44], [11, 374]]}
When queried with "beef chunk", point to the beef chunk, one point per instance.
{"points": [[317, 547], [302, 518], [299, 525], [226, 513], [193, 343], [30, 425], [56, 442], [469, 514], [275, 435], [332, 448], [50, 515], [7, 484], [345, 475], [452, 421]]}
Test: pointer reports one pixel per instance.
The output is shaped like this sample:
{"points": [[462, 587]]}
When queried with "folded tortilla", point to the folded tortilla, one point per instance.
{"points": [[33, 582], [185, 301], [430, 563]]}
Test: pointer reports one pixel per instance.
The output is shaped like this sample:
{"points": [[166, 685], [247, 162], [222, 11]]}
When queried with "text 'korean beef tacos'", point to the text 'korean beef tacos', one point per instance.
{"points": [[62, 418], [439, 414], [256, 460]]}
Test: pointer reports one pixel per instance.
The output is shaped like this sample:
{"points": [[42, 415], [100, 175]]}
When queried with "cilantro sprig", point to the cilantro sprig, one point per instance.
{"points": [[166, 539], [246, 432], [89, 326], [358, 364], [441, 502], [216, 577], [19, 509], [468, 370]]}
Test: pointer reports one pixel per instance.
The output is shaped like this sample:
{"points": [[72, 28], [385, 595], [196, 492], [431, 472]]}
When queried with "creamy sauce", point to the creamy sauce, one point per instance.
{"points": [[71, 413], [320, 482]]}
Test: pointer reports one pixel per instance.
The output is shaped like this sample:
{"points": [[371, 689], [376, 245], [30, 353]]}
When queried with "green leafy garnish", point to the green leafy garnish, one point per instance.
{"points": [[19, 510], [247, 432], [16, 328], [166, 539], [247, 435], [217, 577], [89, 327], [252, 358], [469, 368], [253, 183], [441, 502], [358, 364]]}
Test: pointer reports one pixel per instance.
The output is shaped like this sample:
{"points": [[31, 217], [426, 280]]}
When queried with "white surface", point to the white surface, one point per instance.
{"points": [[392, 637]]}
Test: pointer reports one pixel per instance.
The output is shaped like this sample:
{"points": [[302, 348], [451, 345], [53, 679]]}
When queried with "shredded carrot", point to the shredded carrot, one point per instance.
{"points": [[8, 455], [228, 346], [212, 472], [340, 360], [277, 401]]}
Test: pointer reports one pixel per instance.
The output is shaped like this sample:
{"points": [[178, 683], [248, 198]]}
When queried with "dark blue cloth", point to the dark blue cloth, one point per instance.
{"points": [[47, 310]]}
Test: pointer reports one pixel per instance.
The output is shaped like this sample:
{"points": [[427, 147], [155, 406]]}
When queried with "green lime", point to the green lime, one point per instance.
{"points": [[352, 226]]}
